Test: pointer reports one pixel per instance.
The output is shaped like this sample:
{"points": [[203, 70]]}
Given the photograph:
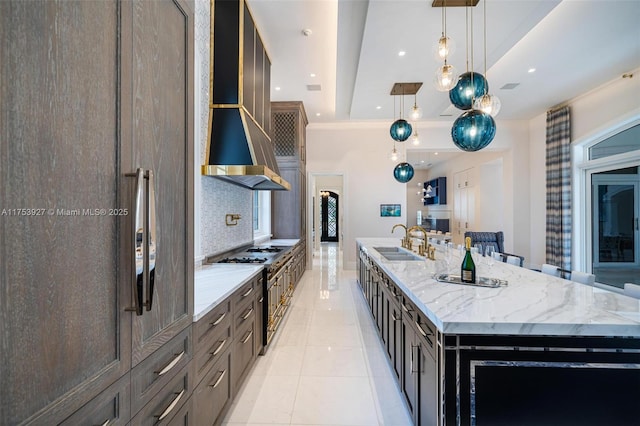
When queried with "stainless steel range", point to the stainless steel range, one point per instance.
{"points": [[276, 284]]}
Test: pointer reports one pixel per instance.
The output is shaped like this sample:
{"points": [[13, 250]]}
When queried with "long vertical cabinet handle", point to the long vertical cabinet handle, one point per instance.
{"points": [[139, 244], [151, 235]]}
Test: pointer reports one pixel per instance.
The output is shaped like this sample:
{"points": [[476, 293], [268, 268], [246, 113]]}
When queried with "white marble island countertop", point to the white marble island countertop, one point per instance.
{"points": [[532, 304], [214, 283]]}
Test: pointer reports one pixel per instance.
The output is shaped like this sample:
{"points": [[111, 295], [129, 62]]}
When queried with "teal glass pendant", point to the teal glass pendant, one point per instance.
{"points": [[400, 130], [473, 130], [466, 90], [403, 172]]}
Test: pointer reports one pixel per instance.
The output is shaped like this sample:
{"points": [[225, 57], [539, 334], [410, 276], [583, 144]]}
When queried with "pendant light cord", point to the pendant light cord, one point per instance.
{"points": [[484, 7]]}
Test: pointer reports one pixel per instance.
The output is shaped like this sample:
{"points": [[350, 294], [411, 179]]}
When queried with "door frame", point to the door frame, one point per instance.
{"points": [[582, 169]]}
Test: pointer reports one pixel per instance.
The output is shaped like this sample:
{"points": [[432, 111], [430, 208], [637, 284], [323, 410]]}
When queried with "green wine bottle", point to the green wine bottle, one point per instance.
{"points": [[468, 267]]}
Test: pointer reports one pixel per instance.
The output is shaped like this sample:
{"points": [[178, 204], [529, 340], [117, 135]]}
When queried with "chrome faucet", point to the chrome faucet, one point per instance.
{"points": [[406, 242], [423, 248]]}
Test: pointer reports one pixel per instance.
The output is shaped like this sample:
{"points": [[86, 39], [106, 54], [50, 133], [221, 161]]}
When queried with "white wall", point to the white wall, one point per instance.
{"points": [[589, 112], [360, 152]]}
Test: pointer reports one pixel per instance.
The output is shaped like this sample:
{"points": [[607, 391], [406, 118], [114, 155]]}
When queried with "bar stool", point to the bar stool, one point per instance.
{"points": [[632, 290], [514, 260], [550, 270], [583, 277]]}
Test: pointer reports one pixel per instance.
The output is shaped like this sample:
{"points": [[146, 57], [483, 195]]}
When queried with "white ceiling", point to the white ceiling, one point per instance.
{"points": [[574, 45]]}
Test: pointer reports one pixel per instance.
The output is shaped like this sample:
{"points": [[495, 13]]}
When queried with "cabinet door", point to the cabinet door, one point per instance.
{"points": [[409, 367], [158, 40], [428, 387], [395, 338], [64, 333]]}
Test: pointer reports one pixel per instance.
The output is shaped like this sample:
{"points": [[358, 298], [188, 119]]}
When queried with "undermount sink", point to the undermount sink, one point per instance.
{"points": [[388, 249], [397, 254]]}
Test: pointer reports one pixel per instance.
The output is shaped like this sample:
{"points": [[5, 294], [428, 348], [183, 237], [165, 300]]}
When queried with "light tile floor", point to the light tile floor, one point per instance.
{"points": [[325, 366]]}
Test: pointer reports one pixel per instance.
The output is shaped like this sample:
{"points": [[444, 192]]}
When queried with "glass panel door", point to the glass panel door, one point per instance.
{"points": [[615, 225]]}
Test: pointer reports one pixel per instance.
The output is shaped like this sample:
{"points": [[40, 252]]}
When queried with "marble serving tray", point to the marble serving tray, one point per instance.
{"points": [[480, 281]]}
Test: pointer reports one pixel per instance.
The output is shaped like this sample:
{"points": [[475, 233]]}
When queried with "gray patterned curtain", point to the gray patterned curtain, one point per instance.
{"points": [[559, 188]]}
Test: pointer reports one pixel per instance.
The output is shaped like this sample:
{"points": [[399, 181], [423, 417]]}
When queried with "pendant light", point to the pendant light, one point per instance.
{"points": [[487, 103], [415, 139], [394, 154], [416, 111], [470, 85], [474, 129], [403, 172], [400, 129], [445, 76]]}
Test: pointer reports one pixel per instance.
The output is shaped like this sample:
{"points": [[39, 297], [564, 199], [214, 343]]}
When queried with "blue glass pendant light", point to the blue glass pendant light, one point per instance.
{"points": [[400, 130], [470, 85], [403, 172], [473, 130]]}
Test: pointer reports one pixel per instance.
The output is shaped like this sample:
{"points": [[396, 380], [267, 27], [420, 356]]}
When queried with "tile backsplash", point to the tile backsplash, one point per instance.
{"points": [[216, 197]]}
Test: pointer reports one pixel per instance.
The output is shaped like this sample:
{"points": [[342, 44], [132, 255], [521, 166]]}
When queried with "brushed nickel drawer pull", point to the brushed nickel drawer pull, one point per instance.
{"points": [[394, 317], [219, 348], [171, 364], [248, 336], [220, 318], [261, 300], [171, 406], [420, 329], [248, 292], [106, 422], [406, 309], [219, 379], [245, 316]]}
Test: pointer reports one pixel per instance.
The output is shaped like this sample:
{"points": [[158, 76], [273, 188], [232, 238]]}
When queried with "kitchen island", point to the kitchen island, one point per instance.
{"points": [[541, 350]]}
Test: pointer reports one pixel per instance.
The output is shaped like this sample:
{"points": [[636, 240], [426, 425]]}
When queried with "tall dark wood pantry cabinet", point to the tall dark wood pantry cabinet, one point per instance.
{"points": [[90, 92], [289, 208]]}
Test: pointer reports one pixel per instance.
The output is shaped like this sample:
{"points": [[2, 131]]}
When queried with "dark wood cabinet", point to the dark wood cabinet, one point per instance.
{"points": [[409, 339], [74, 127], [227, 344], [289, 208], [213, 395]]}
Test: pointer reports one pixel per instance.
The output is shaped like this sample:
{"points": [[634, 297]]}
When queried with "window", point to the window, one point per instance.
{"points": [[261, 216]]}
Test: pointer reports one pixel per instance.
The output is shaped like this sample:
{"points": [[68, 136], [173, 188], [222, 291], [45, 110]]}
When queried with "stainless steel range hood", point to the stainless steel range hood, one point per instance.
{"points": [[239, 147]]}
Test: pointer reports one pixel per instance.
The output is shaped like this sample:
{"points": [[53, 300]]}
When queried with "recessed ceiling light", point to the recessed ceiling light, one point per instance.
{"points": [[378, 107], [312, 75], [277, 87], [422, 161], [317, 114], [402, 53], [531, 70], [435, 153]]}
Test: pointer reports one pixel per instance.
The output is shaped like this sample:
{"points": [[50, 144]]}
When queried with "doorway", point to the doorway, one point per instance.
{"points": [[615, 235], [329, 206]]}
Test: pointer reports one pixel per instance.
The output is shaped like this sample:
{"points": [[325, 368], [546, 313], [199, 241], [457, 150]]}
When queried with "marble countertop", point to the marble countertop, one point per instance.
{"points": [[532, 304], [214, 283]]}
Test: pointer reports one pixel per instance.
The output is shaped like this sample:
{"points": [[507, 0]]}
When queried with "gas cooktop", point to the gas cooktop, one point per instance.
{"points": [[243, 260], [269, 249]]}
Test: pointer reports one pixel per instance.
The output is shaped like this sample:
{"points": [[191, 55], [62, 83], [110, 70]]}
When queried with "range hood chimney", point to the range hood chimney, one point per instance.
{"points": [[239, 148]]}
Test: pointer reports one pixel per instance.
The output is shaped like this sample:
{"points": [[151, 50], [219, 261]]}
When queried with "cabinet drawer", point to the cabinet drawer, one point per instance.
{"points": [[244, 353], [219, 318], [211, 350], [426, 332], [148, 377], [111, 406], [246, 314], [162, 408], [211, 396], [185, 416], [244, 294]]}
